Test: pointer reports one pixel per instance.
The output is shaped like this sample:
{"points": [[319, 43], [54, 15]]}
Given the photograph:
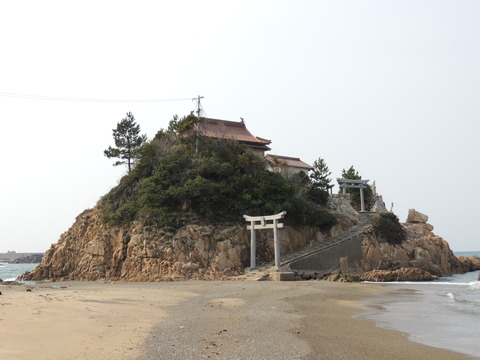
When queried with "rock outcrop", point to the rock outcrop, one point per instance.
{"points": [[471, 263], [402, 274], [93, 250], [416, 217], [341, 203], [424, 251], [379, 205]]}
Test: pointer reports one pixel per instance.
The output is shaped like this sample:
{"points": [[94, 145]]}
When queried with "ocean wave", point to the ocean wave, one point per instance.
{"points": [[469, 298], [421, 283], [468, 301], [475, 285]]}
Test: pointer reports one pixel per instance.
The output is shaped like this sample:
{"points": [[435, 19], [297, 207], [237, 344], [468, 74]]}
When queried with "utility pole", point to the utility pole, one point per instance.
{"points": [[199, 111], [199, 106]]}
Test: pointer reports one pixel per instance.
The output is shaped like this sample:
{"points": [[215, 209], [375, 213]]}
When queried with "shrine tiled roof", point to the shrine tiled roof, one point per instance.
{"points": [[232, 130], [288, 161]]}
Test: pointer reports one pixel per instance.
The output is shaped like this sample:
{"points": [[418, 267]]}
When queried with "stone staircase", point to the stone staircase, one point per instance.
{"points": [[362, 226], [263, 271]]}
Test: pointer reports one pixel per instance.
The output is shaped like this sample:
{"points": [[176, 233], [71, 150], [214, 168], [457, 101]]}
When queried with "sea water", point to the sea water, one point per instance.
{"points": [[10, 272], [444, 313]]}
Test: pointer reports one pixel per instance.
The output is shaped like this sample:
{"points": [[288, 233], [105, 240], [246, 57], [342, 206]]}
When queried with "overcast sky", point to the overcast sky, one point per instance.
{"points": [[390, 87]]}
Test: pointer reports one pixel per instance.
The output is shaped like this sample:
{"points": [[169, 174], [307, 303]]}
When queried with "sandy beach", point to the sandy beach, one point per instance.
{"points": [[197, 320]]}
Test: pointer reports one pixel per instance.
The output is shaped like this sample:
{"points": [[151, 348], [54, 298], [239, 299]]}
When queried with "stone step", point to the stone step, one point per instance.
{"points": [[363, 226]]}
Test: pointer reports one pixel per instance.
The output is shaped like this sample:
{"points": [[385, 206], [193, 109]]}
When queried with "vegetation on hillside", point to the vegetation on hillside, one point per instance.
{"points": [[387, 226], [172, 183]]}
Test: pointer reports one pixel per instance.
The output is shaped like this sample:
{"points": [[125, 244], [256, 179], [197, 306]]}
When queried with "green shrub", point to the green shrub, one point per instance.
{"points": [[223, 181], [318, 196], [388, 227]]}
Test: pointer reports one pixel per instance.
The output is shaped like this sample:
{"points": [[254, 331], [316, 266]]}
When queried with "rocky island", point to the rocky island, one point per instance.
{"points": [[178, 215]]}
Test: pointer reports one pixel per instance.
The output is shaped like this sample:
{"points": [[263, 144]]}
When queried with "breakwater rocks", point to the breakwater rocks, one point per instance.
{"points": [[93, 250], [29, 259], [20, 258]]}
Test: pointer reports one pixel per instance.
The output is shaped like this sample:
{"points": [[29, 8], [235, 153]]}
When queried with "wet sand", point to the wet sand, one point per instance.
{"points": [[197, 320]]}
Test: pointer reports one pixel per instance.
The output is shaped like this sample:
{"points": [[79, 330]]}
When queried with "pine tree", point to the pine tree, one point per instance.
{"points": [[127, 142], [320, 175], [351, 174]]}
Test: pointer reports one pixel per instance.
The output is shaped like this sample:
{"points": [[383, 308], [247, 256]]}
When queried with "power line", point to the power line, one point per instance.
{"points": [[58, 98]]}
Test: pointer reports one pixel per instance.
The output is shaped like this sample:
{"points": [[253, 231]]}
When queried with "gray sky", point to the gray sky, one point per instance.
{"points": [[390, 87]]}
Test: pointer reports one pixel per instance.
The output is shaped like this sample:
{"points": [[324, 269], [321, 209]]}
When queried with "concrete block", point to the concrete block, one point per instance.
{"points": [[282, 276]]}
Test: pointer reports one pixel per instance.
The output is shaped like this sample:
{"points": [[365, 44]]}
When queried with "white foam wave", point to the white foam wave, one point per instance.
{"points": [[420, 283], [474, 285]]}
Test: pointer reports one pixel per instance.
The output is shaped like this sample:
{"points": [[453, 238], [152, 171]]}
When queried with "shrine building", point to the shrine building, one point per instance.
{"points": [[233, 130]]}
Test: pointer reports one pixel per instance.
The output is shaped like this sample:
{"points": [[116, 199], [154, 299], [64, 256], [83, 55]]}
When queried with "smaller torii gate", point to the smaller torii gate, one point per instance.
{"points": [[354, 184], [264, 222]]}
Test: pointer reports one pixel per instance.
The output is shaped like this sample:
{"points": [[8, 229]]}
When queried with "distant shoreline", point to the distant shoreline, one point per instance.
{"points": [[12, 257]]}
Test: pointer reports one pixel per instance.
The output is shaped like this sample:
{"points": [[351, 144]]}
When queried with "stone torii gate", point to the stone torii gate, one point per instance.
{"points": [[354, 184], [264, 222]]}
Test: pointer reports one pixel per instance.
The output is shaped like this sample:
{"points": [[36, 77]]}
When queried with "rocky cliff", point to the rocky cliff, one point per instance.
{"points": [[422, 256], [93, 250], [427, 252]]}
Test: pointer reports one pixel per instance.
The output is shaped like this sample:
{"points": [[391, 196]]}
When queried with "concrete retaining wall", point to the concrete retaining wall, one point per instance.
{"points": [[329, 259]]}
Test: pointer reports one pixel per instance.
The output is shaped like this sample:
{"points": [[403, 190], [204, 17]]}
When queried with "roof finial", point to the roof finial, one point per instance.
{"points": [[243, 122]]}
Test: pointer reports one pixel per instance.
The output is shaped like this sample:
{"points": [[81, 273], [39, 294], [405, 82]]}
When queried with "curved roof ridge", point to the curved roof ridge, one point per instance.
{"points": [[234, 130], [225, 122], [284, 157]]}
